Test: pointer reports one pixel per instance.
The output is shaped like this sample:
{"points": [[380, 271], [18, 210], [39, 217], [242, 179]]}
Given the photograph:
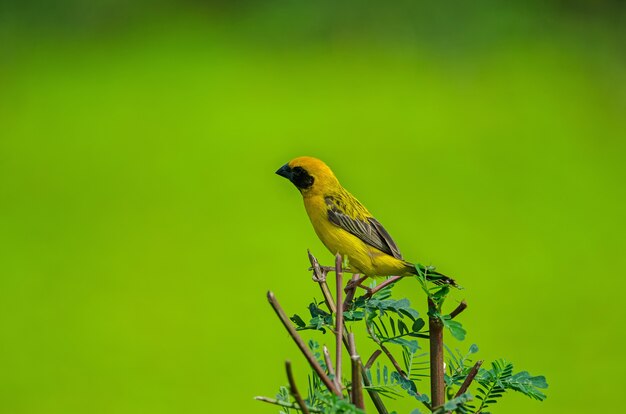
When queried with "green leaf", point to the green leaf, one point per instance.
{"points": [[473, 349], [441, 293], [408, 386], [418, 325], [411, 345], [354, 315], [455, 328], [455, 403], [402, 328], [298, 321]]}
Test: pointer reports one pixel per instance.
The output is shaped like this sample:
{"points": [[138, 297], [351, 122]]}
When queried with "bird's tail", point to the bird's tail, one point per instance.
{"points": [[432, 275]]}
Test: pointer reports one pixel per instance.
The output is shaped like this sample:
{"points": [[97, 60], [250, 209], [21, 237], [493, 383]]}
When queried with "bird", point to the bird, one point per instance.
{"points": [[346, 227]]}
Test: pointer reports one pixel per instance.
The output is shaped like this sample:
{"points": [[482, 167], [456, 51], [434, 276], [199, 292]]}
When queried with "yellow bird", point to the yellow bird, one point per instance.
{"points": [[345, 226]]}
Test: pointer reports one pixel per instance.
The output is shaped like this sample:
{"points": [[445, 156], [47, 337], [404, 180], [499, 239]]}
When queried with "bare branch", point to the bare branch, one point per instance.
{"points": [[437, 383], [350, 290], [378, 402], [303, 348], [319, 276], [468, 380], [357, 387], [285, 404], [370, 361], [462, 306], [385, 350], [294, 390], [329, 363], [388, 282], [390, 356], [339, 319]]}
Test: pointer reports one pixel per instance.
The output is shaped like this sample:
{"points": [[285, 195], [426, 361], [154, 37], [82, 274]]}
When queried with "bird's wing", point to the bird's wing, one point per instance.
{"points": [[368, 229]]}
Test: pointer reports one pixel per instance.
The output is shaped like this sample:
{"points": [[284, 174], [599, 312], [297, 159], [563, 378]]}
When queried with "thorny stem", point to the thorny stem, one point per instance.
{"points": [[339, 319], [462, 306], [357, 387], [437, 383], [285, 404], [294, 390], [303, 348]]}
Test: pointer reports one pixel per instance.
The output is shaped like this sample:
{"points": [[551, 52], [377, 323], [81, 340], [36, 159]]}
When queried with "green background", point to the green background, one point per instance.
{"points": [[141, 222]]}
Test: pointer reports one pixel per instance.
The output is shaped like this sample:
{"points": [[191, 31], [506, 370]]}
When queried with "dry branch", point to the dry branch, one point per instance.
{"points": [[462, 306], [437, 383], [468, 380], [338, 319], [303, 348], [285, 404], [357, 388], [294, 390]]}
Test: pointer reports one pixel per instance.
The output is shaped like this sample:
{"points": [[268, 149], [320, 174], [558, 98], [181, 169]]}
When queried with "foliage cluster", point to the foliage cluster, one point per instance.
{"points": [[396, 328]]}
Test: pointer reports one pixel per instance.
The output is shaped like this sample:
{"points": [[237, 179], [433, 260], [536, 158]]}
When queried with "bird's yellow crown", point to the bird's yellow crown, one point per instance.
{"points": [[323, 176]]}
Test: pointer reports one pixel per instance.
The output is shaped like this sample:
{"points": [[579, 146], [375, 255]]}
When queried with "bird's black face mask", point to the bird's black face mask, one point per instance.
{"points": [[297, 175]]}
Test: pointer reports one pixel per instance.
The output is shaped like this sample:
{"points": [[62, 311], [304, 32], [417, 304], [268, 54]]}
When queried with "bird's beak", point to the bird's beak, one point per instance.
{"points": [[285, 171]]}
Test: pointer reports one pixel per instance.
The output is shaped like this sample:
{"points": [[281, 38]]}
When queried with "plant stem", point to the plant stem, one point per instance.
{"points": [[390, 356], [285, 404], [370, 361], [357, 387], [390, 281], [303, 348], [329, 363], [468, 380], [376, 400], [338, 319], [462, 306], [350, 291], [320, 278], [437, 384], [294, 389]]}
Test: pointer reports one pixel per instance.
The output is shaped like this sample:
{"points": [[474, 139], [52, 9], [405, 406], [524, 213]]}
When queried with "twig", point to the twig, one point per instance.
{"points": [[437, 384], [462, 306], [378, 402], [303, 348], [390, 356], [357, 387], [329, 363], [339, 319], [351, 290], [468, 380], [385, 350], [285, 404], [294, 390], [371, 360], [374, 395], [319, 276], [390, 281]]}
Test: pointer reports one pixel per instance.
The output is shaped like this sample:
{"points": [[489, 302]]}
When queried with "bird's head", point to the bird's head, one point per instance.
{"points": [[308, 174]]}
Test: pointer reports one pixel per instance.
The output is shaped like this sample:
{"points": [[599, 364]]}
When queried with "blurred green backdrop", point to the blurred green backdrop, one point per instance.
{"points": [[142, 223]]}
